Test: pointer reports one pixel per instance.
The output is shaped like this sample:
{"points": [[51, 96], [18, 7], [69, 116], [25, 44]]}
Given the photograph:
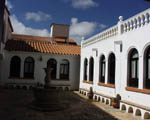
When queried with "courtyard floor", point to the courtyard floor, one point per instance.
{"points": [[16, 105]]}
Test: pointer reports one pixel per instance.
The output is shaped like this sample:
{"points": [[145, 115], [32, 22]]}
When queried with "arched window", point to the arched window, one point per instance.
{"points": [[133, 61], [85, 69], [52, 63], [29, 67], [15, 66], [111, 69], [91, 69], [102, 69], [64, 69], [147, 68]]}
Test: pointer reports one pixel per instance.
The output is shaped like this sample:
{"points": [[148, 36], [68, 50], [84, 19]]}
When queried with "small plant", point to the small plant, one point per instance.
{"points": [[116, 101], [118, 97], [90, 94], [39, 84], [91, 90]]}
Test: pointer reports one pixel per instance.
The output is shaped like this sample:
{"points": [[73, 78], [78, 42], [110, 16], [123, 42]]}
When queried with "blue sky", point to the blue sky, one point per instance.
{"points": [[85, 17]]}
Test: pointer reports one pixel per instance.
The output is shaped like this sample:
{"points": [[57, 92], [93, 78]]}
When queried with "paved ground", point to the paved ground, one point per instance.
{"points": [[121, 115], [15, 105]]}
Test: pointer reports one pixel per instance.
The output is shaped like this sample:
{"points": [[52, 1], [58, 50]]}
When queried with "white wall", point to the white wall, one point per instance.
{"points": [[131, 37], [39, 73]]}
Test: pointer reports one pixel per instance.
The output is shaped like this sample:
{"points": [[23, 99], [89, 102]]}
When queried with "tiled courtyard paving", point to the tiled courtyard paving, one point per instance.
{"points": [[15, 105]]}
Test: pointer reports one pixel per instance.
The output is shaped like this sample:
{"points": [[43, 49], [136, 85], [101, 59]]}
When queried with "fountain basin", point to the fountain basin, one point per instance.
{"points": [[47, 99]]}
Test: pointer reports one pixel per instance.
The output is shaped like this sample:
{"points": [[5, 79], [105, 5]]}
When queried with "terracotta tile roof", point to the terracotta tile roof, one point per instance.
{"points": [[42, 45], [38, 38], [63, 40]]}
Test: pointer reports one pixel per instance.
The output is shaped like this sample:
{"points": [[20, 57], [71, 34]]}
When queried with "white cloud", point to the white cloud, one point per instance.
{"points": [[20, 28], [102, 26], [83, 4], [83, 29], [39, 16], [9, 5]]}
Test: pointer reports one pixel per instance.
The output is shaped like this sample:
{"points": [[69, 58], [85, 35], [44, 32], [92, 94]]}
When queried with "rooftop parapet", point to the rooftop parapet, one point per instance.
{"points": [[110, 32], [138, 21]]}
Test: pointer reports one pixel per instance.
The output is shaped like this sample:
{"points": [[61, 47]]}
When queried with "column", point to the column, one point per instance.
{"points": [[88, 69], [106, 71], [22, 68], [140, 73], [58, 70]]}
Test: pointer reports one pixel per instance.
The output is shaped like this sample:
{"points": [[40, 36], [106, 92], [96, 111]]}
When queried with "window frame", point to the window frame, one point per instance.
{"points": [[85, 69], [63, 67], [111, 69], [30, 68], [15, 73], [133, 81], [91, 69], [102, 63], [54, 66], [146, 68]]}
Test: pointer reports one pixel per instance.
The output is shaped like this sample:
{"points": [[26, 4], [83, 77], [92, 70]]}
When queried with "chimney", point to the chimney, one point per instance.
{"points": [[60, 31]]}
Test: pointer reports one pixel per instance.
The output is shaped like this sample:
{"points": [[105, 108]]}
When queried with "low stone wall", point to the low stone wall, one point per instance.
{"points": [[136, 109]]}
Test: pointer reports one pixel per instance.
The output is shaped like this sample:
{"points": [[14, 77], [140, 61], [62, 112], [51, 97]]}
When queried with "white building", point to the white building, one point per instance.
{"points": [[22, 57], [117, 61]]}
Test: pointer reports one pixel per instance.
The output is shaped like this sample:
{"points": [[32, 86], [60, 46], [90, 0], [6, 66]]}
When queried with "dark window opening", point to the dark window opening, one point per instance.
{"points": [[102, 69], [64, 69], [29, 67], [147, 67], [52, 63], [133, 68], [85, 69], [91, 69], [15, 66], [121, 47], [111, 69]]}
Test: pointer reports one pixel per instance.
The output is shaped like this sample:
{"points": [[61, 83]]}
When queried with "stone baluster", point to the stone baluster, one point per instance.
{"points": [[134, 24], [111, 33], [128, 26], [131, 25], [142, 21], [115, 31], [108, 33], [146, 18], [138, 23], [102, 36], [125, 28], [105, 35]]}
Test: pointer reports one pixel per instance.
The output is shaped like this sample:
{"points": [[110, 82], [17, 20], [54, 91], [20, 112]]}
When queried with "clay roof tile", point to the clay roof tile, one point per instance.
{"points": [[29, 44]]}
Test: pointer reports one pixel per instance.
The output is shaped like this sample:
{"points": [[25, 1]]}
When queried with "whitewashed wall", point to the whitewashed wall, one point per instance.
{"points": [[132, 35], [7, 35], [39, 73]]}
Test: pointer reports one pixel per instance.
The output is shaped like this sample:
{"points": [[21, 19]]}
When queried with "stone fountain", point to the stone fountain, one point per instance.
{"points": [[47, 98]]}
